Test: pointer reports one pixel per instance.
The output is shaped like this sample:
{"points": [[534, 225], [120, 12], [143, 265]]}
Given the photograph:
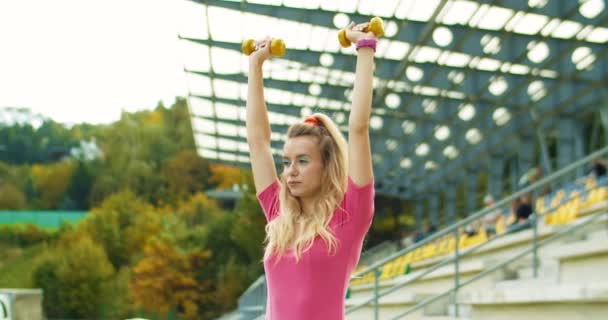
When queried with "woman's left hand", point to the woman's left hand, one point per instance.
{"points": [[354, 32]]}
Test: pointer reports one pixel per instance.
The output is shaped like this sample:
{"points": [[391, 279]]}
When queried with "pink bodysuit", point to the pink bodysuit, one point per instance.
{"points": [[315, 287]]}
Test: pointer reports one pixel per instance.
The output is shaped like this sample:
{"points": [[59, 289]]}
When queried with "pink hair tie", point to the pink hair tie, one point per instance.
{"points": [[367, 43], [312, 120]]}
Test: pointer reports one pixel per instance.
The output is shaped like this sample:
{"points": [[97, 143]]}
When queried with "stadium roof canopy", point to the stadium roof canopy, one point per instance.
{"points": [[456, 81]]}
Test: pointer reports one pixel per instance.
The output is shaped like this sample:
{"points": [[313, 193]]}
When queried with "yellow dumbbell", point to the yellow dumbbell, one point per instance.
{"points": [[277, 47], [376, 26]]}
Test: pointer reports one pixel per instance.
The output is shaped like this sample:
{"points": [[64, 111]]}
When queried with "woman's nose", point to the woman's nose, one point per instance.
{"points": [[292, 170]]}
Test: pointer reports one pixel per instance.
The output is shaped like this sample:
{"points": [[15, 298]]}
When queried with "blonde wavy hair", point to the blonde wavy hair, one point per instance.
{"points": [[293, 229]]}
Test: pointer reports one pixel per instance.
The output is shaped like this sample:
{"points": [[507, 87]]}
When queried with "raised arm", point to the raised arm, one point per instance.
{"points": [[359, 151], [258, 126]]}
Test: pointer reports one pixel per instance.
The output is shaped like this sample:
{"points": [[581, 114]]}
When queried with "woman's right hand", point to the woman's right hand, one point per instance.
{"points": [[261, 53]]}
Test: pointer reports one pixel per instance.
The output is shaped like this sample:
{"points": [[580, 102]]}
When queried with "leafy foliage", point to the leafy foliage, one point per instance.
{"points": [[122, 225], [152, 240], [165, 280], [11, 198], [73, 280]]}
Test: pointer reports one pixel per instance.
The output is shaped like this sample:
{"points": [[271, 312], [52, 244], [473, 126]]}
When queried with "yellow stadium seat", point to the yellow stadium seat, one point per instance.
{"points": [[417, 255], [557, 199], [388, 270], [463, 241], [408, 257], [550, 217], [444, 246], [511, 219], [450, 244], [428, 251], [401, 267], [592, 198], [603, 193], [501, 225], [572, 211], [540, 206], [590, 183]]}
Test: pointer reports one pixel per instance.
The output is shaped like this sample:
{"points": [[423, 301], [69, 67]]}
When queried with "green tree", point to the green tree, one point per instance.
{"points": [[51, 182], [25, 144], [185, 174], [72, 278], [80, 185], [122, 224], [11, 198]]}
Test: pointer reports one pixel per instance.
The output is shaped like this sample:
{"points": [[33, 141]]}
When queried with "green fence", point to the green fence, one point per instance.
{"points": [[43, 219]]}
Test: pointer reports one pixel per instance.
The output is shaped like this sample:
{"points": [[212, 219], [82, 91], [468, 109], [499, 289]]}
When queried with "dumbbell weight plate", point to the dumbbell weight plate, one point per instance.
{"points": [[248, 46], [376, 27], [277, 47], [342, 38]]}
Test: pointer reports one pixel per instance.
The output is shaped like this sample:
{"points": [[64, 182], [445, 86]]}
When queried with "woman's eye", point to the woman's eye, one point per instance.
{"points": [[286, 163], [303, 161]]}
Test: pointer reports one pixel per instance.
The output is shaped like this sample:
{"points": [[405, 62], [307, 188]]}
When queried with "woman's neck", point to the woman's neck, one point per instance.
{"points": [[307, 205]]}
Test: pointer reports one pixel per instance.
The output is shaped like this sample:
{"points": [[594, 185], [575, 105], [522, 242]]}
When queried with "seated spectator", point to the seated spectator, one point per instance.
{"points": [[432, 229], [599, 168], [596, 171], [512, 212], [489, 220], [418, 236], [471, 229], [523, 210], [405, 240]]}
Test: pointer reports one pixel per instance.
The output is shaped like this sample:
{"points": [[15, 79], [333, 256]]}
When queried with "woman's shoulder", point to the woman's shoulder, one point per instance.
{"points": [[353, 186]]}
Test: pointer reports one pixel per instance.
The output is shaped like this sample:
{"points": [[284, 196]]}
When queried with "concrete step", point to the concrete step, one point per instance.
{"points": [[525, 283], [598, 235], [394, 305], [582, 292], [578, 301], [547, 269], [464, 310]]}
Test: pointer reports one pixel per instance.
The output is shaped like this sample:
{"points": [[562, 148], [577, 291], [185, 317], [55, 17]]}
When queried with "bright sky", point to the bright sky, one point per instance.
{"points": [[84, 60], [87, 60]]}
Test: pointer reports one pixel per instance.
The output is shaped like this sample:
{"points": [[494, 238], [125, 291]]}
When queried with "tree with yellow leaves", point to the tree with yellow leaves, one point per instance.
{"points": [[164, 281]]}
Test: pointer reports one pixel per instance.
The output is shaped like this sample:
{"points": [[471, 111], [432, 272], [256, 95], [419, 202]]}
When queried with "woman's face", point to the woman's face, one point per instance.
{"points": [[302, 166]]}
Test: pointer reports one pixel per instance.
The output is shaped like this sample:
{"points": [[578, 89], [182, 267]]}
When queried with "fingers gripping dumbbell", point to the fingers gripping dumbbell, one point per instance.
{"points": [[376, 26], [277, 47]]}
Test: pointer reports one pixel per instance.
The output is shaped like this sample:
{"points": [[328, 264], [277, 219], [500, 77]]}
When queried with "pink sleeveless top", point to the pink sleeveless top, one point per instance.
{"points": [[315, 287]]}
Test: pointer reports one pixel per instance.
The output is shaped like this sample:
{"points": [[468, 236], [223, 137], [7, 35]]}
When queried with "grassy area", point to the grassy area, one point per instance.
{"points": [[17, 265]]}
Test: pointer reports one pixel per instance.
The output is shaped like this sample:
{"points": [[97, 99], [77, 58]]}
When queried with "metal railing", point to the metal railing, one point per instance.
{"points": [[376, 268], [252, 302]]}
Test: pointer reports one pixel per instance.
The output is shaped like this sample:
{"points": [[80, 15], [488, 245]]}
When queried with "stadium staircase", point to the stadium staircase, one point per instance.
{"points": [[556, 268]]}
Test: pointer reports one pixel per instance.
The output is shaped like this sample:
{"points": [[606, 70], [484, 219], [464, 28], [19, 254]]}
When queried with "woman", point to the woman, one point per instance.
{"points": [[320, 208]]}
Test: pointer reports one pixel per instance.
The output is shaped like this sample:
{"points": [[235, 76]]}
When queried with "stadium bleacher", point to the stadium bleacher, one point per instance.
{"points": [[567, 283]]}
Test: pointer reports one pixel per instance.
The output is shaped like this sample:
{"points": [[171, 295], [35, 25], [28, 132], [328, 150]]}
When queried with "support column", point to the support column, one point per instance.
{"points": [[418, 211], [434, 209], [513, 172], [604, 119], [450, 203], [495, 178], [526, 154], [471, 191], [579, 146], [565, 146], [542, 142]]}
